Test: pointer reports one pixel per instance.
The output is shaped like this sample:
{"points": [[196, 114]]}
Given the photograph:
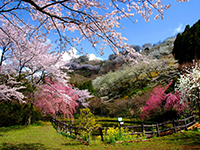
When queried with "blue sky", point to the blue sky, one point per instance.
{"points": [[175, 19]]}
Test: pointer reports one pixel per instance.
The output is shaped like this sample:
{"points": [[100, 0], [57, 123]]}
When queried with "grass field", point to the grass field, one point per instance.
{"points": [[44, 136]]}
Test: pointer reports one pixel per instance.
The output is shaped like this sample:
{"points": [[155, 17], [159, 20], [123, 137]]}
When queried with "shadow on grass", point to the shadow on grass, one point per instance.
{"points": [[73, 143], [18, 127], [189, 138], [6, 129], [2, 135], [32, 146]]}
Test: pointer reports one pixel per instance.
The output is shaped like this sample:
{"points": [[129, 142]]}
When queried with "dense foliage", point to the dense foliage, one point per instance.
{"points": [[87, 85], [187, 44], [17, 114]]}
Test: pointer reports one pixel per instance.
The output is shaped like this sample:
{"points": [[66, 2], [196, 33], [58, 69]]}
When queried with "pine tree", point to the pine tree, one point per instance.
{"points": [[187, 44]]}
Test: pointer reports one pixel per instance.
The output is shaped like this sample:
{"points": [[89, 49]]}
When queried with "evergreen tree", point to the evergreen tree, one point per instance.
{"points": [[87, 85], [187, 44]]}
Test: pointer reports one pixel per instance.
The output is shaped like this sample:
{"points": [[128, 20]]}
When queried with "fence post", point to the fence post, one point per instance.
{"points": [[174, 125], [75, 130], [185, 123], [101, 134], [143, 130], [61, 127], [157, 128]]}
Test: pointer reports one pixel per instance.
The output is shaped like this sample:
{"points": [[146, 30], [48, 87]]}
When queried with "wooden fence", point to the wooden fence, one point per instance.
{"points": [[65, 128], [147, 130]]}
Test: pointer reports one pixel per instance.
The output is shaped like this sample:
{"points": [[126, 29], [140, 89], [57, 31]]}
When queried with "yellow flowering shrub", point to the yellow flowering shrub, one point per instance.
{"points": [[87, 121], [119, 134]]}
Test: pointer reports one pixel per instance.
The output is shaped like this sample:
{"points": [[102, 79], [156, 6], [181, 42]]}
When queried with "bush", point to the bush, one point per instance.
{"points": [[87, 85], [162, 106], [17, 114]]}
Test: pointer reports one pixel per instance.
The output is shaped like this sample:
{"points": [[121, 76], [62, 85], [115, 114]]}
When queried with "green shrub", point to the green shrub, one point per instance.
{"points": [[17, 114], [87, 85]]}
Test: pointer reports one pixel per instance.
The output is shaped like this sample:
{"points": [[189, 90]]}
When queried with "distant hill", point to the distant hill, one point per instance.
{"points": [[94, 68], [157, 51], [122, 87]]}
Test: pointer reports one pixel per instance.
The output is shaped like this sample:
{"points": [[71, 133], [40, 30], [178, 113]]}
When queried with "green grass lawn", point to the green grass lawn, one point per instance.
{"points": [[44, 136]]}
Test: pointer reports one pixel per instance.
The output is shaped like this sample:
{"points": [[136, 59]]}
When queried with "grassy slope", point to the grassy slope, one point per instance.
{"points": [[46, 137]]}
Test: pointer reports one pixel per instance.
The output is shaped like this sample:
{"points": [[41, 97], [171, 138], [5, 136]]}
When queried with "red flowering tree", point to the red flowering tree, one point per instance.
{"points": [[161, 103], [56, 97]]}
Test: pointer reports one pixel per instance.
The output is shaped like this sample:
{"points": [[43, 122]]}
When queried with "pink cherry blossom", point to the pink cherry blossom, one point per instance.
{"points": [[94, 20], [54, 97]]}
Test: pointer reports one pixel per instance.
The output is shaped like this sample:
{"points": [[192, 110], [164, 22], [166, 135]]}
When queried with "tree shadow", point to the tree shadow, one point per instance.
{"points": [[6, 129], [187, 139], [24, 146], [2, 135], [73, 143]]}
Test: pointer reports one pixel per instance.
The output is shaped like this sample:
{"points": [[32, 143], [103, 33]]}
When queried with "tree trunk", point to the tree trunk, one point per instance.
{"points": [[32, 102], [30, 114]]}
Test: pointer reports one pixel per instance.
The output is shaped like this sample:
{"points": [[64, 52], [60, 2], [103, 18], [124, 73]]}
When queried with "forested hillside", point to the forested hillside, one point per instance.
{"points": [[122, 87]]}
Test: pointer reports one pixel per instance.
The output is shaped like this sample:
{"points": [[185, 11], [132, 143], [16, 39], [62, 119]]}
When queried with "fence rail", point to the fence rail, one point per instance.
{"points": [[144, 129]]}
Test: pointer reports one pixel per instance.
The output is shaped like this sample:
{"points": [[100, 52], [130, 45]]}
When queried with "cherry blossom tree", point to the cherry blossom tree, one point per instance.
{"points": [[94, 20], [54, 97], [189, 86], [7, 89], [26, 58], [12, 44], [25, 62]]}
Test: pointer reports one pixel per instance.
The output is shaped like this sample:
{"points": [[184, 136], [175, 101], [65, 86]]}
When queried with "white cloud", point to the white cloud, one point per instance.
{"points": [[178, 29], [48, 41], [93, 57], [72, 53]]}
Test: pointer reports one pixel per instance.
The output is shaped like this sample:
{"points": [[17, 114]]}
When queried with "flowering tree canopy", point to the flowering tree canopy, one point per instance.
{"points": [[25, 59], [94, 20], [160, 102], [28, 61], [189, 85], [7, 91], [54, 97]]}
